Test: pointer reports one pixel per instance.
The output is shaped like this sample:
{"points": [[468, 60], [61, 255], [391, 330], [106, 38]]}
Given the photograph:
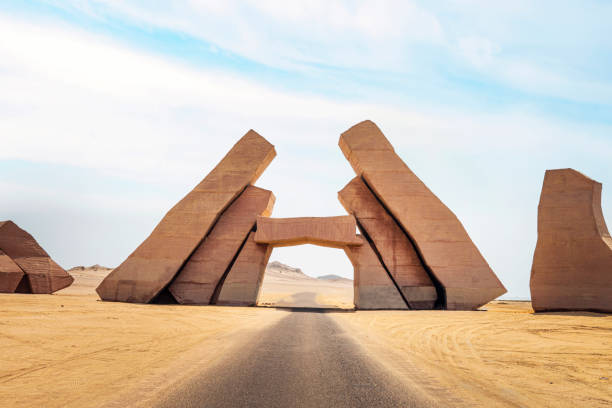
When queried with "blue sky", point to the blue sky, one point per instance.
{"points": [[110, 111]]}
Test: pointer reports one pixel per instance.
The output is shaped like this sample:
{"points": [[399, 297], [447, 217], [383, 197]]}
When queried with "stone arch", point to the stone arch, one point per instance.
{"points": [[213, 245], [374, 288]]}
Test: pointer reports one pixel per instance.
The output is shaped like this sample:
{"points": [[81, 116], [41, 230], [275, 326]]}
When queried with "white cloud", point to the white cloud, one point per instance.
{"points": [[80, 99], [288, 34]]}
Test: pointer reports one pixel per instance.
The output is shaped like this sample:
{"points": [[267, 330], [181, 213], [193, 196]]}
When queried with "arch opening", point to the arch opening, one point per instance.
{"points": [[308, 276]]}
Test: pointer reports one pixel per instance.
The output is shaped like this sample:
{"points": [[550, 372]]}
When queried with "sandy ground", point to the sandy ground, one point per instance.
{"points": [[75, 351], [283, 287], [506, 356], [72, 350], [306, 294]]}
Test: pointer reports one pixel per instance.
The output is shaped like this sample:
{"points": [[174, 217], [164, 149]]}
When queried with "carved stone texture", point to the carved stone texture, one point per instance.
{"points": [[396, 250], [243, 283], [157, 260], [334, 232], [197, 280], [10, 274], [440, 238], [572, 264], [43, 274], [373, 286]]}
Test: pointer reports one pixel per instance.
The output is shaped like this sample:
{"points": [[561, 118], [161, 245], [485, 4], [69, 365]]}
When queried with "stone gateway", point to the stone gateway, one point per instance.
{"points": [[213, 246]]}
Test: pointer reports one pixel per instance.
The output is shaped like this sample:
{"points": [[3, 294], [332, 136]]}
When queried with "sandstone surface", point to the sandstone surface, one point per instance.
{"points": [[243, 282], [572, 264], [440, 238], [43, 274], [397, 252], [197, 280], [373, 287], [151, 267], [335, 232], [10, 274]]}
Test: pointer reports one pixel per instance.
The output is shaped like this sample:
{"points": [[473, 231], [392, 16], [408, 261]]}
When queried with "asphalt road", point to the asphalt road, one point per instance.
{"points": [[305, 360]]}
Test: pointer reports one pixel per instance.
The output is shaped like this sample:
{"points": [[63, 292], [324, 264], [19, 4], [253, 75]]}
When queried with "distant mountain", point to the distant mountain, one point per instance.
{"points": [[281, 270], [333, 277], [95, 267]]}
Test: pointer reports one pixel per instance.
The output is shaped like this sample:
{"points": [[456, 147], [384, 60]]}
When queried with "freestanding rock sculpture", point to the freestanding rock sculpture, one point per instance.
{"points": [[151, 267], [443, 244], [396, 251], [572, 264], [42, 274], [198, 279]]}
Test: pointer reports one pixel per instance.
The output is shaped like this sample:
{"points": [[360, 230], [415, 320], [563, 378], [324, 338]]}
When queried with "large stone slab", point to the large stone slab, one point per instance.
{"points": [[439, 237], [197, 280], [243, 283], [335, 232], [397, 252], [10, 274], [373, 287], [157, 260], [572, 264], [43, 274]]}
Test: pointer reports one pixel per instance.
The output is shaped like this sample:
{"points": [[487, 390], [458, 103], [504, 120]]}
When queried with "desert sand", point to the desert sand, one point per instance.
{"points": [[284, 286], [505, 356], [72, 350]]}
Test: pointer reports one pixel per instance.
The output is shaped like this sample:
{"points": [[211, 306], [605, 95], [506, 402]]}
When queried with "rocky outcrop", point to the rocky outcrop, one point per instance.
{"points": [[36, 273], [152, 266], [572, 264]]}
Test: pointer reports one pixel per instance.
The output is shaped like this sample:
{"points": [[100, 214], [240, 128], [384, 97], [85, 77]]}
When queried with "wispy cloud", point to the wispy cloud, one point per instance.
{"points": [[546, 48]]}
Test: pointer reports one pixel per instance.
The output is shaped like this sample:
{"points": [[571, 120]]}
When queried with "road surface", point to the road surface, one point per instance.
{"points": [[305, 360]]}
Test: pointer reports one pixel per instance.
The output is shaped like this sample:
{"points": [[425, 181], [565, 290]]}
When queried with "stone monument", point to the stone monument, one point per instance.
{"points": [[572, 264]]}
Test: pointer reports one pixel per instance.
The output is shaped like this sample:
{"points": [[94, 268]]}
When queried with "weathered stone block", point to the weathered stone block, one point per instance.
{"points": [[335, 232], [243, 283], [373, 287], [43, 274], [440, 238], [10, 274], [197, 280], [157, 260], [572, 264], [396, 250]]}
